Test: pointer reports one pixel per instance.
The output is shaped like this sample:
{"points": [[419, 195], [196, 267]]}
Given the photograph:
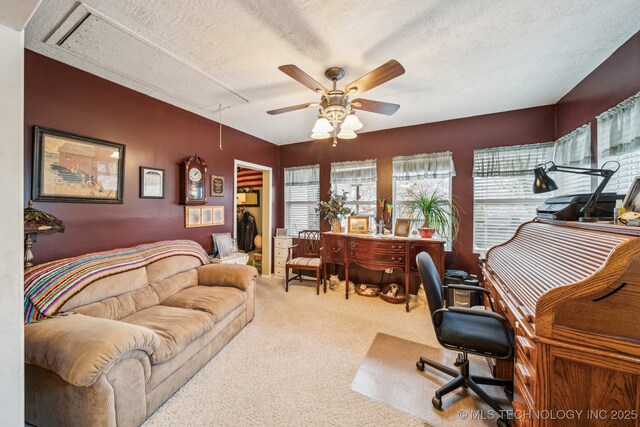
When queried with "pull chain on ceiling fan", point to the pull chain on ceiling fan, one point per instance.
{"points": [[336, 110]]}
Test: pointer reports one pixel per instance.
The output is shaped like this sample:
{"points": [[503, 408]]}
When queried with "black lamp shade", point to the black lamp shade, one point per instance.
{"points": [[542, 182]]}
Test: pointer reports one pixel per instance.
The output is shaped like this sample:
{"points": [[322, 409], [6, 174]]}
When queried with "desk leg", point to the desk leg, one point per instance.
{"points": [[346, 280], [406, 290]]}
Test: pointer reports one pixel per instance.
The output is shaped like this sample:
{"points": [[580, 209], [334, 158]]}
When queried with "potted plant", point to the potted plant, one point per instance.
{"points": [[438, 213], [334, 210]]}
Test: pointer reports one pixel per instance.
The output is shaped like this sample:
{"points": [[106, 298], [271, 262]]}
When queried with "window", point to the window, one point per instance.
{"points": [[619, 140], [573, 149], [503, 191], [430, 172], [301, 197], [358, 180]]}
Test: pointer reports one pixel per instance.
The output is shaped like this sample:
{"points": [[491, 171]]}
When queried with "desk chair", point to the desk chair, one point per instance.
{"points": [[466, 330], [309, 258]]}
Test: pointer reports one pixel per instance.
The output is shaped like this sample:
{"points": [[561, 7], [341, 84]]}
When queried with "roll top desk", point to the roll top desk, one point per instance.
{"points": [[571, 293]]}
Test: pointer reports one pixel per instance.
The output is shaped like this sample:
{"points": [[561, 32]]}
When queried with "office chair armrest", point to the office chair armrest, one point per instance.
{"points": [[472, 312], [471, 289]]}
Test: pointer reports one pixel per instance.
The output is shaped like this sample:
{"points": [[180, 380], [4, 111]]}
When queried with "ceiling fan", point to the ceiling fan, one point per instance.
{"points": [[336, 109]]}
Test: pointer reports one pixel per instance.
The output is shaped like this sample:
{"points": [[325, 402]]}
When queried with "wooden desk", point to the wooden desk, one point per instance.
{"points": [[571, 293], [380, 253]]}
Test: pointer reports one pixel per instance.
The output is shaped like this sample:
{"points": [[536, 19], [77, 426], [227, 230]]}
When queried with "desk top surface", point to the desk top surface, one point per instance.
{"points": [[382, 238]]}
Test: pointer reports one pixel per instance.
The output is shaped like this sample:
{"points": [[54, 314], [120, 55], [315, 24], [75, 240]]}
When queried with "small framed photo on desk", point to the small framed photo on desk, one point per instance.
{"points": [[358, 224], [402, 227], [631, 201]]}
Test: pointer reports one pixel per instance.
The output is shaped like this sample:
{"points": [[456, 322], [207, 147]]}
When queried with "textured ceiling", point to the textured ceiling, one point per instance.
{"points": [[462, 58]]}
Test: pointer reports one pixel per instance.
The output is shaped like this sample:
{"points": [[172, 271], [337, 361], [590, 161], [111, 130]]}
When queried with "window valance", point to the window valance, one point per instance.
{"points": [[421, 166], [303, 175], [356, 172], [574, 149], [517, 160], [619, 128]]}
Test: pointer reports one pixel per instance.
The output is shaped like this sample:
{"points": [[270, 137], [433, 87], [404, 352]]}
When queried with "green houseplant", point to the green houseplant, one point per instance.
{"points": [[334, 210], [438, 213]]}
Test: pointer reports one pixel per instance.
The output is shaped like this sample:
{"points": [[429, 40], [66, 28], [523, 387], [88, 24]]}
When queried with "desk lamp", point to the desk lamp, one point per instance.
{"points": [[543, 183]]}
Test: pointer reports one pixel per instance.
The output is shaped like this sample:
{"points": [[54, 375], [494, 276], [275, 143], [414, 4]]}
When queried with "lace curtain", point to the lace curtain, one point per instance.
{"points": [[422, 166], [357, 172], [302, 176]]}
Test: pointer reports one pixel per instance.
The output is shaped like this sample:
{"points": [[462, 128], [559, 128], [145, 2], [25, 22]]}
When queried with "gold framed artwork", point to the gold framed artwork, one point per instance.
{"points": [[203, 216], [358, 225], [402, 227], [216, 187]]}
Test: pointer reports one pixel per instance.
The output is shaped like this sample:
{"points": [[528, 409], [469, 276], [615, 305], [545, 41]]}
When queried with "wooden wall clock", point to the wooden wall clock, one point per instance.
{"points": [[192, 181]]}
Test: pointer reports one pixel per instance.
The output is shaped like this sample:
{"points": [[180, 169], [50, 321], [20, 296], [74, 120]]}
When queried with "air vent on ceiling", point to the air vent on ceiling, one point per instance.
{"points": [[100, 40]]}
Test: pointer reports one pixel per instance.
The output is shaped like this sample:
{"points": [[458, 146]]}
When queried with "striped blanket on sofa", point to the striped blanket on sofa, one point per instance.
{"points": [[47, 287]]}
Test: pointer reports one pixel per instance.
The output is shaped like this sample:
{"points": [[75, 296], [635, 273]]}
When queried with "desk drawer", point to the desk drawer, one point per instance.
{"points": [[334, 250], [524, 374], [281, 252], [278, 271], [386, 258], [385, 247], [279, 262]]}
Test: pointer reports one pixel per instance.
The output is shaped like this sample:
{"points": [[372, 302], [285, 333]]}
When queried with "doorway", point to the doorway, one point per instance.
{"points": [[253, 201]]}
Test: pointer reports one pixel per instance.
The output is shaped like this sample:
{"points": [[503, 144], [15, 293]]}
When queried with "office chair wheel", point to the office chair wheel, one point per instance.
{"points": [[502, 422], [436, 402], [420, 366]]}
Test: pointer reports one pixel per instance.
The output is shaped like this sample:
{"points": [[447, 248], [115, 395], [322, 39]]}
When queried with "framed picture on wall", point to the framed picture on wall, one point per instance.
{"points": [[151, 183], [216, 187], [74, 168], [203, 216]]}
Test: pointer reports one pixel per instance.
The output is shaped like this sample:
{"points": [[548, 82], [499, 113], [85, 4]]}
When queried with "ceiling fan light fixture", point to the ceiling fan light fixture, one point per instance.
{"points": [[319, 135], [346, 134], [351, 123], [322, 125]]}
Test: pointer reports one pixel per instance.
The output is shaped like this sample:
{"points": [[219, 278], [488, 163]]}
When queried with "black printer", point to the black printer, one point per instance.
{"points": [[567, 208]]}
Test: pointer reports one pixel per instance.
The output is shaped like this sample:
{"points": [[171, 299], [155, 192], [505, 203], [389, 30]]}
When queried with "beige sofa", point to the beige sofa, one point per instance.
{"points": [[137, 337]]}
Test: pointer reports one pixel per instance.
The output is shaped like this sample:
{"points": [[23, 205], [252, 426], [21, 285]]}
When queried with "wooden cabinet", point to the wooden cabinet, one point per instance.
{"points": [[380, 253], [281, 245]]}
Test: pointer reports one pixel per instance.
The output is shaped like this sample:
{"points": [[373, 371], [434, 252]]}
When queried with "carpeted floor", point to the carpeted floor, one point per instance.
{"points": [[294, 363]]}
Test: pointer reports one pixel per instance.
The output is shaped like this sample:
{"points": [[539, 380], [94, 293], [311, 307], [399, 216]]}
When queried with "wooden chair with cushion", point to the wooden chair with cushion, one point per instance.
{"points": [[308, 257]]}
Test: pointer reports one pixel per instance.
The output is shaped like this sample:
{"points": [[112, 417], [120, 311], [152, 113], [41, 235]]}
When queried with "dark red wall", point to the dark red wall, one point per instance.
{"points": [[615, 80], [460, 137], [156, 134]]}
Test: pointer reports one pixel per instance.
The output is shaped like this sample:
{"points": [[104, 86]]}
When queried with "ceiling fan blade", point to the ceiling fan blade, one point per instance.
{"points": [[297, 74], [374, 106], [292, 108], [382, 74]]}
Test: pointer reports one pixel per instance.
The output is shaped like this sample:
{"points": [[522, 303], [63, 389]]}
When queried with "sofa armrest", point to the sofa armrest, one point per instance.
{"points": [[232, 275], [80, 348]]}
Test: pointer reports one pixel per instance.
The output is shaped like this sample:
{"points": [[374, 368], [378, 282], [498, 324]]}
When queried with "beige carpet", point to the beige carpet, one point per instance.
{"points": [[389, 374], [294, 363]]}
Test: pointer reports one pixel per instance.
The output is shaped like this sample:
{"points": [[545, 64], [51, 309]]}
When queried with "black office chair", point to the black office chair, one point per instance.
{"points": [[466, 330]]}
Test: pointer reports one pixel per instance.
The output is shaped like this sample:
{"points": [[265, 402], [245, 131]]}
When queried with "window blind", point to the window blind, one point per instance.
{"points": [[503, 191], [358, 179], [619, 140], [428, 172], [301, 197]]}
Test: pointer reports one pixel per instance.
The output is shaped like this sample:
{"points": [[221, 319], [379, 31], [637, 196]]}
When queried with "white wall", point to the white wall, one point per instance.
{"points": [[11, 234]]}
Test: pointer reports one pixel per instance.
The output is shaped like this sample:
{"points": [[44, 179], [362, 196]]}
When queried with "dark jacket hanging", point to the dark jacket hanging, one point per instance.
{"points": [[247, 232]]}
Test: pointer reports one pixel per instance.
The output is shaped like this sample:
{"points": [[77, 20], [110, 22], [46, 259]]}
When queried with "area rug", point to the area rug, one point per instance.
{"points": [[388, 374]]}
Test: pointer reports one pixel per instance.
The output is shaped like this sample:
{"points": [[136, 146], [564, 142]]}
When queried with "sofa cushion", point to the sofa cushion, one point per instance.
{"points": [[215, 300], [232, 275], [174, 284], [116, 308], [167, 267], [176, 327], [108, 287]]}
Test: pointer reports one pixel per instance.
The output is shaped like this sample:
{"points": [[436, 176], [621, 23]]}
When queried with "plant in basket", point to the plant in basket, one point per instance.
{"points": [[334, 210]]}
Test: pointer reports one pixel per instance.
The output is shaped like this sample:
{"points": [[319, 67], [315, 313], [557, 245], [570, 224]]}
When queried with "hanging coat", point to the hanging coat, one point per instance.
{"points": [[247, 232]]}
